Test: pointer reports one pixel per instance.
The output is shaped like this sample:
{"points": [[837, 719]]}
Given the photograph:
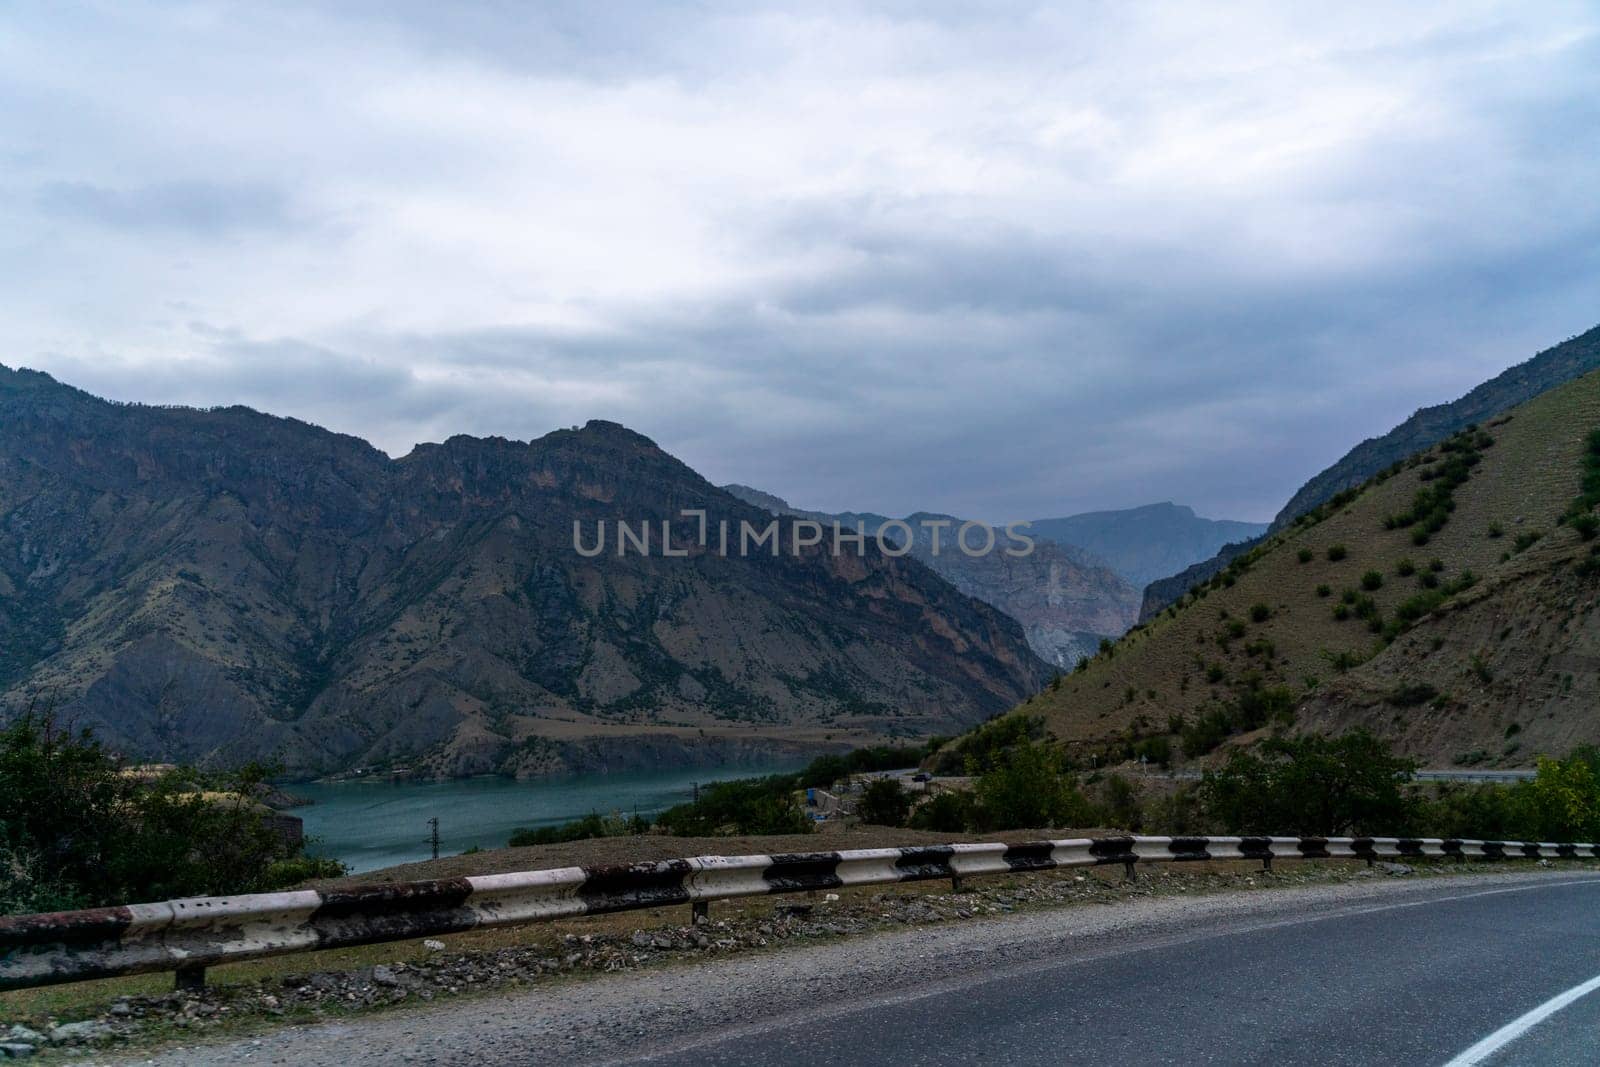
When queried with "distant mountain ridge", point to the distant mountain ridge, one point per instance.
{"points": [[1149, 542], [1067, 594], [221, 585]]}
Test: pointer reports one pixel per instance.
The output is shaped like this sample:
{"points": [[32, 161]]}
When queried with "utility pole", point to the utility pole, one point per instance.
{"points": [[433, 835]]}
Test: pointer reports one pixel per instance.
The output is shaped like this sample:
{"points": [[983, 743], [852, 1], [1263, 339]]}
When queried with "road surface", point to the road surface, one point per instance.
{"points": [[1397, 971]]}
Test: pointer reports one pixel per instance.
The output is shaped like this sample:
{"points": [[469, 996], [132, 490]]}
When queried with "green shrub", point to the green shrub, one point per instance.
{"points": [[1371, 580], [1122, 805], [1205, 732], [1312, 785], [589, 826], [1324, 590], [1337, 553], [1260, 613], [987, 746], [946, 813], [76, 831], [1157, 750], [1405, 568], [1028, 790], [884, 802], [826, 770], [742, 806], [1305, 555], [1414, 608], [1409, 696]]}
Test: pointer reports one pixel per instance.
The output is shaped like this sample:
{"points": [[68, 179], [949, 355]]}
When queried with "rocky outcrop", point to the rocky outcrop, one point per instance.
{"points": [[223, 585]]}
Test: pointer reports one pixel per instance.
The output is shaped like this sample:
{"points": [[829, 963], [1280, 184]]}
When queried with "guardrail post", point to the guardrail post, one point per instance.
{"points": [[189, 979], [1266, 862], [955, 884], [700, 912], [1128, 873]]}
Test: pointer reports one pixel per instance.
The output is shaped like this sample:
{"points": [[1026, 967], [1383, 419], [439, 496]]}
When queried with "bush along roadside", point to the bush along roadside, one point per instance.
{"points": [[79, 828]]}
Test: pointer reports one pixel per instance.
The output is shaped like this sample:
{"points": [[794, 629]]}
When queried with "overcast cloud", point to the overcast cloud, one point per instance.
{"points": [[1001, 261]]}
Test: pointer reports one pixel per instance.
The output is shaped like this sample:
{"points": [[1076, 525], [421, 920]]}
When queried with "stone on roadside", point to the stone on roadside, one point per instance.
{"points": [[79, 1033]]}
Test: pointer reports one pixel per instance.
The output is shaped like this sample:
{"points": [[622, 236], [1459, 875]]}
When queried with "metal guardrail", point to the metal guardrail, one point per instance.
{"points": [[189, 935], [1502, 777]]}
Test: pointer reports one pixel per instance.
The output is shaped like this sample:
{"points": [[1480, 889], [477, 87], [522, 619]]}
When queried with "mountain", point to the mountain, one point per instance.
{"points": [[1571, 359], [1146, 543], [1065, 599], [223, 585], [1164, 592], [1445, 603]]}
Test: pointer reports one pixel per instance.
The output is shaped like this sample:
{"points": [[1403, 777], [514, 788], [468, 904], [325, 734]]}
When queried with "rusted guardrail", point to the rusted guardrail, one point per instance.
{"points": [[187, 936]]}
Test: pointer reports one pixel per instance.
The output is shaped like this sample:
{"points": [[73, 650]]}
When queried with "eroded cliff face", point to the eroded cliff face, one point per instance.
{"points": [[223, 585]]}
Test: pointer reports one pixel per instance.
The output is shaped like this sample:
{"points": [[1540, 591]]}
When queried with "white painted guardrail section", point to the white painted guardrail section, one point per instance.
{"points": [[189, 935]]}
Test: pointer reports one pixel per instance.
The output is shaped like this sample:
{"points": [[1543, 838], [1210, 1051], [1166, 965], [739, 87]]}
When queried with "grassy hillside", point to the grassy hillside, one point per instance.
{"points": [[1440, 633], [1555, 366]]}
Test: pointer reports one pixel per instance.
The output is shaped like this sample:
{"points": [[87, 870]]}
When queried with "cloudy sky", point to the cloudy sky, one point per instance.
{"points": [[998, 260]]}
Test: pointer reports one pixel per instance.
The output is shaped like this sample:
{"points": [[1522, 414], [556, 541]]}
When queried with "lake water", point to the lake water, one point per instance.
{"points": [[369, 824]]}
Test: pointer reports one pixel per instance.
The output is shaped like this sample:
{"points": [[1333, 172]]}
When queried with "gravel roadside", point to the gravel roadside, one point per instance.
{"points": [[619, 1016]]}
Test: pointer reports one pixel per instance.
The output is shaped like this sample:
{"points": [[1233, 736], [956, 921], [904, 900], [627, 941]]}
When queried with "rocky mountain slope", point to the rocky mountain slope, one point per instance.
{"points": [[1065, 599], [223, 585], [1450, 603]]}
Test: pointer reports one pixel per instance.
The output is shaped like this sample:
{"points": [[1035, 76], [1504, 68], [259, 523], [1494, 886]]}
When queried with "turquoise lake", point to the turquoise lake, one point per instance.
{"points": [[370, 824]]}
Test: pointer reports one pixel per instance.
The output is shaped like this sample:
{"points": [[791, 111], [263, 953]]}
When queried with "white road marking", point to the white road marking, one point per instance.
{"points": [[1519, 1026]]}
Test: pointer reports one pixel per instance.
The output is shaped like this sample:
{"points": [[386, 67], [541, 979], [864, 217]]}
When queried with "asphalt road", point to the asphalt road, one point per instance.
{"points": [[1393, 972]]}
